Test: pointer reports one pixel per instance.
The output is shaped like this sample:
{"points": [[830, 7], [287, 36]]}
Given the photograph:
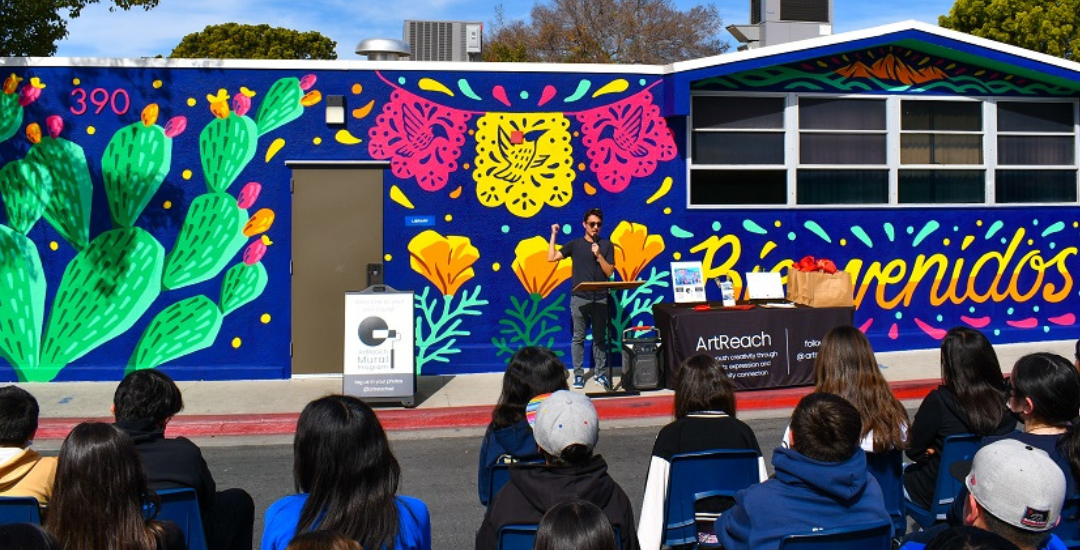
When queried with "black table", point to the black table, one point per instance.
{"points": [[759, 347]]}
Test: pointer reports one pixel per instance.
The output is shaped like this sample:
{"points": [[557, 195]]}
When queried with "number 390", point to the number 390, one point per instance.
{"points": [[118, 101]]}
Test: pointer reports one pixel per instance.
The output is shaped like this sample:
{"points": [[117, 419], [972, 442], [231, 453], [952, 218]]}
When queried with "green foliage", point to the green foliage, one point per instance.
{"points": [[281, 106], [1050, 27], [25, 188], [33, 27], [135, 163], [211, 235], [606, 31], [529, 324], [11, 114], [105, 289], [226, 146], [22, 283], [242, 284], [185, 327], [443, 328], [69, 208], [237, 41]]}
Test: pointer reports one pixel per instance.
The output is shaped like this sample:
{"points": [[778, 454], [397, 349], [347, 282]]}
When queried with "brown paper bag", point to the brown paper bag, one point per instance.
{"points": [[796, 287], [827, 289]]}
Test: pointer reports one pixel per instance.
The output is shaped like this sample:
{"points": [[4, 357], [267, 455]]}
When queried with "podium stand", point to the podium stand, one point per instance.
{"points": [[608, 287]]}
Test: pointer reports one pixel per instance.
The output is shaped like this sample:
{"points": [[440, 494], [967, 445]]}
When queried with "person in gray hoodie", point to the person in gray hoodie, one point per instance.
{"points": [[566, 430], [821, 482]]}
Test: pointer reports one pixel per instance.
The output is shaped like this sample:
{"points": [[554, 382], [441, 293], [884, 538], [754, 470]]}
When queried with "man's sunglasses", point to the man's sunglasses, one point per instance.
{"points": [[594, 224]]}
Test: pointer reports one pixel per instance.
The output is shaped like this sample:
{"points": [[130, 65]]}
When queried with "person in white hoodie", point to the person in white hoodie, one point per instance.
{"points": [[23, 472]]}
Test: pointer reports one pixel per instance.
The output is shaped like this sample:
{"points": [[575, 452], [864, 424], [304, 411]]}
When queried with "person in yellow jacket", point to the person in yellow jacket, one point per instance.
{"points": [[23, 472]]}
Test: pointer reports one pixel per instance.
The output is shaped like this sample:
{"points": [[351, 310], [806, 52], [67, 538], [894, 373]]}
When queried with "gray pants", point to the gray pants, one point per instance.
{"points": [[585, 312]]}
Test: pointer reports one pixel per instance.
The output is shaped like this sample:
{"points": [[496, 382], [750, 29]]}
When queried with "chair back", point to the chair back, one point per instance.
{"points": [[1068, 529], [19, 510], [181, 506], [500, 476], [522, 536], [888, 469], [869, 536], [699, 475], [956, 448]]}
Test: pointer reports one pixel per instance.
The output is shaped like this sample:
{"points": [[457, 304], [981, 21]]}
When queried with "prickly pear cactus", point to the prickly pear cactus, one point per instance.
{"points": [[22, 284], [281, 106], [11, 115], [135, 163], [242, 284], [210, 237], [72, 189], [185, 327], [105, 289], [226, 146], [26, 188]]}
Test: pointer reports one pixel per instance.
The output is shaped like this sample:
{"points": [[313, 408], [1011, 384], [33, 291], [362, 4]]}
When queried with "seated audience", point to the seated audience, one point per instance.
{"points": [[969, 400], [347, 479], [704, 420], [143, 404], [1014, 490], [101, 497], [323, 540], [1044, 391], [964, 537], [566, 428], [532, 371], [846, 366], [23, 472], [821, 482], [26, 536], [577, 525]]}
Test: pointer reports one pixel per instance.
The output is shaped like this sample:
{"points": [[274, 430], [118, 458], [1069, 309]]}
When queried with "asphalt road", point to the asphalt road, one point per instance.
{"points": [[440, 469]]}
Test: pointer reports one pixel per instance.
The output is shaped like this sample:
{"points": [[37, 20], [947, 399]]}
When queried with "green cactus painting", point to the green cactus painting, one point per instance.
{"points": [[118, 276]]}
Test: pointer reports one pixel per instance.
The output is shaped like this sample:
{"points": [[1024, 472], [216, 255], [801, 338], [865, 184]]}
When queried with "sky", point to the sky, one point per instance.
{"points": [[138, 33]]}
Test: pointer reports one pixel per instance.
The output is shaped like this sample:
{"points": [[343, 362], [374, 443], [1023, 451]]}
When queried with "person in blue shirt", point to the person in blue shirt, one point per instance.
{"points": [[821, 481], [532, 371], [1015, 490], [347, 479]]}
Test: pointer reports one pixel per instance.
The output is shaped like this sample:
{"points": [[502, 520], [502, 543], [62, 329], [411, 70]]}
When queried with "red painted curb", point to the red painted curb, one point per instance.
{"points": [[474, 416]]}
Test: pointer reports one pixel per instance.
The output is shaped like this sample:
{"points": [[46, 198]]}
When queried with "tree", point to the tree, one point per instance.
{"points": [[33, 27], [1047, 26], [606, 31], [236, 41]]}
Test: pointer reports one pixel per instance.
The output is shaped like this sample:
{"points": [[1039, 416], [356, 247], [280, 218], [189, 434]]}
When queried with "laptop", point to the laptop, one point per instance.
{"points": [[764, 287]]}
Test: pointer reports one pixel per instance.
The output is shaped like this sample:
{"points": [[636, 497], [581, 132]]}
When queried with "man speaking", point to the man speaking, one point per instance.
{"points": [[592, 260]]}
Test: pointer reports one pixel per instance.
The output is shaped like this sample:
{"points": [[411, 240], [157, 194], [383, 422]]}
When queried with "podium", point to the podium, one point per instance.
{"points": [[608, 287]]}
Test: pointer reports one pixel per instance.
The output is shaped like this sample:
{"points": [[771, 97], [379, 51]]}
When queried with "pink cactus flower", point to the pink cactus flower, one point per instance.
{"points": [[248, 195], [254, 252], [241, 104], [55, 124], [307, 82], [175, 126], [28, 94]]}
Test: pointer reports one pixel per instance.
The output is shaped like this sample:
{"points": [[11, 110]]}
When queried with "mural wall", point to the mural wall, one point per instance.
{"points": [[146, 216]]}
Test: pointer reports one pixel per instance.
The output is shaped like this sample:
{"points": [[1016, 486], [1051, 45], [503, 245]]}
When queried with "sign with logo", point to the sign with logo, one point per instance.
{"points": [[379, 342]]}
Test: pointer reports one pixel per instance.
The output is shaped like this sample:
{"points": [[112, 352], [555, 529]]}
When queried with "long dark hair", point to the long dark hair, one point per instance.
{"points": [[703, 385], [342, 459], [1053, 385], [970, 369], [532, 371], [100, 491], [846, 366], [576, 524]]}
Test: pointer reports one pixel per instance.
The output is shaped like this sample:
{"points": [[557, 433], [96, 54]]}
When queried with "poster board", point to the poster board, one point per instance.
{"points": [[688, 282], [379, 360]]}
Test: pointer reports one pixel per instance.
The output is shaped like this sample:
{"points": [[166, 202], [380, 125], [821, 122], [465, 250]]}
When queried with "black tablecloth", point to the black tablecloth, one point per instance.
{"points": [[759, 347]]}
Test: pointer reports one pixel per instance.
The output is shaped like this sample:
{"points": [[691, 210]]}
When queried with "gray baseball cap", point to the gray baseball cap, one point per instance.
{"points": [[1017, 483], [563, 419]]}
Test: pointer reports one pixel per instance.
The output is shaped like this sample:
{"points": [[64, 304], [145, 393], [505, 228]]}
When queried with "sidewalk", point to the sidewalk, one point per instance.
{"points": [[271, 407]]}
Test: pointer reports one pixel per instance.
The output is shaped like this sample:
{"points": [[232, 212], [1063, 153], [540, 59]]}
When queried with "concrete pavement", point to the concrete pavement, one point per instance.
{"points": [[271, 407]]}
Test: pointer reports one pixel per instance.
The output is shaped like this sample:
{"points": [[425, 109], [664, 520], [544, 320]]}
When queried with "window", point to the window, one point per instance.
{"points": [[738, 130], [738, 187], [1036, 152], [941, 186], [842, 131], [843, 186]]}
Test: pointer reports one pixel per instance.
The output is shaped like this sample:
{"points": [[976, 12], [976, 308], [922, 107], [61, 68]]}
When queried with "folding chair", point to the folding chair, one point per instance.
{"points": [[500, 476], [19, 510], [888, 470], [181, 506], [521, 536], [871, 536], [1068, 529], [955, 449], [700, 475]]}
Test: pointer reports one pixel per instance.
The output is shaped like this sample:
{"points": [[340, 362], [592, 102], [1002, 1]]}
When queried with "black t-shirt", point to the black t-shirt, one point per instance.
{"points": [[585, 267]]}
